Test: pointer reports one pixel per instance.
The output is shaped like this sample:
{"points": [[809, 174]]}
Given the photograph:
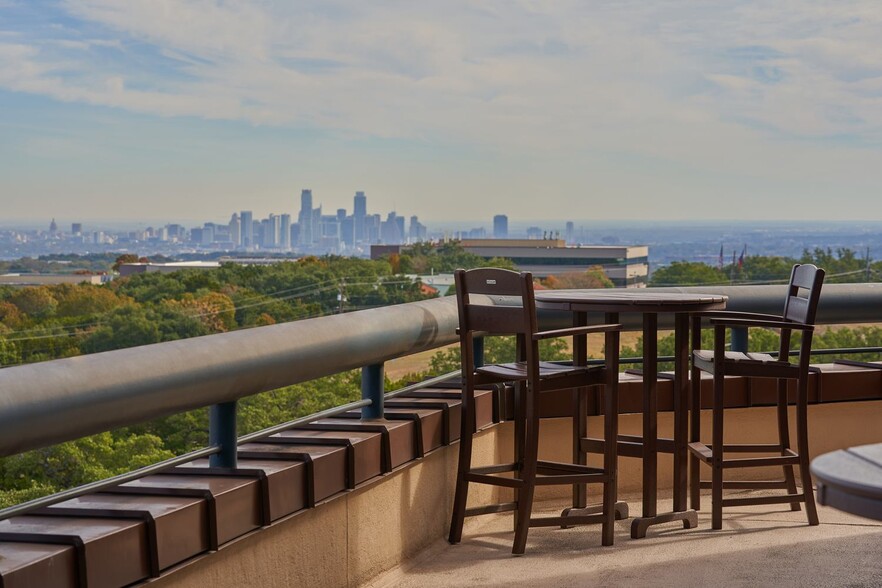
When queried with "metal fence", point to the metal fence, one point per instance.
{"points": [[51, 402]]}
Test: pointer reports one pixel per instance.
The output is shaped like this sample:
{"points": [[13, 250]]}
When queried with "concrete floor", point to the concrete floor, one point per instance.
{"points": [[758, 546]]}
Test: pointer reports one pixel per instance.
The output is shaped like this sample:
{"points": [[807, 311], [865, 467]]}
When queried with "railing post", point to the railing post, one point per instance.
{"points": [[478, 347], [372, 389], [739, 339], [222, 432]]}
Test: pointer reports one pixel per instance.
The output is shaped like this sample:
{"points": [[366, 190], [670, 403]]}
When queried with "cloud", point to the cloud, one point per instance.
{"points": [[556, 76]]}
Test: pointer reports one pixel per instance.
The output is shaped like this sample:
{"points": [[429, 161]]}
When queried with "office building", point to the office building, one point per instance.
{"points": [[500, 226], [246, 221], [235, 228], [416, 231], [285, 232], [306, 219], [627, 266], [359, 213]]}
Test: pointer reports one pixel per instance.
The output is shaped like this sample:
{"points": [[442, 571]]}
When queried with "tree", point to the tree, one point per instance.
{"points": [[36, 302], [687, 273], [127, 326], [593, 277], [124, 258], [76, 300]]}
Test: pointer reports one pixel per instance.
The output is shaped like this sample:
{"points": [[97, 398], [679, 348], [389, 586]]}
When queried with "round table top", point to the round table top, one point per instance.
{"points": [[851, 480], [628, 300]]}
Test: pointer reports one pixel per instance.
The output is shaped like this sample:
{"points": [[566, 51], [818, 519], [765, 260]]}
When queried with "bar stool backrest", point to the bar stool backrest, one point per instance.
{"points": [[483, 315], [801, 306], [802, 309], [480, 315]]}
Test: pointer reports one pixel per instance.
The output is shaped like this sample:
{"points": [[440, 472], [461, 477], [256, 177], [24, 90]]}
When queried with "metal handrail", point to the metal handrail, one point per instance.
{"points": [[50, 402], [98, 486]]}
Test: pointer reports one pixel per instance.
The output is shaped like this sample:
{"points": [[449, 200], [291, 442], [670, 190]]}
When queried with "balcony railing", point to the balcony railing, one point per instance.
{"points": [[52, 402]]}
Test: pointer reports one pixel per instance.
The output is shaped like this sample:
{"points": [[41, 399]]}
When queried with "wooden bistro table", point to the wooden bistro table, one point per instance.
{"points": [[851, 480], [650, 304]]}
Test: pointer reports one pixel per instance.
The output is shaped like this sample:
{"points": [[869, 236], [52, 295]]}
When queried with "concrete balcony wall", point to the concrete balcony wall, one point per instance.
{"points": [[355, 536]]}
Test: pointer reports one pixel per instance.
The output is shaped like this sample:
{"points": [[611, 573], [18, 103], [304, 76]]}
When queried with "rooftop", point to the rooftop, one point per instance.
{"points": [[758, 546]]}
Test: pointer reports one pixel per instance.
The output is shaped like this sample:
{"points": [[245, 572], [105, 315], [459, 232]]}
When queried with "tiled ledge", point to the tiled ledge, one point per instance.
{"points": [[261, 520]]}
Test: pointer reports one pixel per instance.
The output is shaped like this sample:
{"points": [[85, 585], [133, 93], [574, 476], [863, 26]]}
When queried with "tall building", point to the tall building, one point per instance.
{"points": [[500, 226], [372, 224], [570, 234], [306, 219], [207, 234], [392, 229], [246, 221], [359, 212], [416, 231], [235, 230], [285, 232], [76, 229]]}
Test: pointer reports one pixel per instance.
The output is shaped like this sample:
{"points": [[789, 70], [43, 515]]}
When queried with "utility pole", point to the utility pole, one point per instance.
{"points": [[341, 295]]}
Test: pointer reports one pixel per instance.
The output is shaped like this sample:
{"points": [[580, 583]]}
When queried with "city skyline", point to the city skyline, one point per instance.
{"points": [[601, 110]]}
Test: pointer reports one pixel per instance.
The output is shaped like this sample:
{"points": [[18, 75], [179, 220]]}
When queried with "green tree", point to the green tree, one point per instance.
{"points": [[36, 302], [687, 273], [593, 277]]}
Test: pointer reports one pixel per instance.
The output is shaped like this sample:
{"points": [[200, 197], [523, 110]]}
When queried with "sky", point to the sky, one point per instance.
{"points": [[652, 110]]}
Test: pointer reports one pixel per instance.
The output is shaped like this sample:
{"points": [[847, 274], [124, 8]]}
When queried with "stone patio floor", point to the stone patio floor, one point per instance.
{"points": [[758, 546]]}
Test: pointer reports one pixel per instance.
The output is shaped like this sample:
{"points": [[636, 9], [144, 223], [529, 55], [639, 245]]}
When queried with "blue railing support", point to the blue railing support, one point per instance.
{"points": [[478, 346], [222, 433], [372, 383], [739, 339]]}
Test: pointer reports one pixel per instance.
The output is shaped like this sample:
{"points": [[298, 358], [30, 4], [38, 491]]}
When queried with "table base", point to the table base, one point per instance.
{"points": [[621, 510], [640, 525]]}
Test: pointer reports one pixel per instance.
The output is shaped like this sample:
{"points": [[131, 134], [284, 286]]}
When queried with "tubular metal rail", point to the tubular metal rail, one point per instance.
{"points": [[55, 401]]}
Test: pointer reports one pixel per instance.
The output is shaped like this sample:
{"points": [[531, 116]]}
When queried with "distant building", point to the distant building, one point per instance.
{"points": [[359, 214], [25, 280], [534, 233], [76, 229], [235, 228], [306, 219], [570, 234], [246, 220], [392, 229], [627, 266], [285, 232], [417, 231], [127, 269], [500, 226]]}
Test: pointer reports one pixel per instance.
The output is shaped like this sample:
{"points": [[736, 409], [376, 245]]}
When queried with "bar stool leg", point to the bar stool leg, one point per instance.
{"points": [[717, 481], [784, 440], [528, 472], [802, 442], [460, 499]]}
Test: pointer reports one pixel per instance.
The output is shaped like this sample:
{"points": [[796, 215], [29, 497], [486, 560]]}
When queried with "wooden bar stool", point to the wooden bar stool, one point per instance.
{"points": [[477, 291], [800, 307]]}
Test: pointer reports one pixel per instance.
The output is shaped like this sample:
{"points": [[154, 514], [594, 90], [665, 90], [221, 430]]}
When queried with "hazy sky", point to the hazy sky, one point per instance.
{"points": [[181, 109]]}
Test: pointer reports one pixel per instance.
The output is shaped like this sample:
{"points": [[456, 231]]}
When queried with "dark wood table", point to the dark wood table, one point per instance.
{"points": [[650, 304], [851, 480]]}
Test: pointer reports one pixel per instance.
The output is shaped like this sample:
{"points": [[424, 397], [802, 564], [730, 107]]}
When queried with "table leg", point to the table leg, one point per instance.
{"points": [[650, 414], [580, 427], [650, 517], [681, 410], [580, 406]]}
